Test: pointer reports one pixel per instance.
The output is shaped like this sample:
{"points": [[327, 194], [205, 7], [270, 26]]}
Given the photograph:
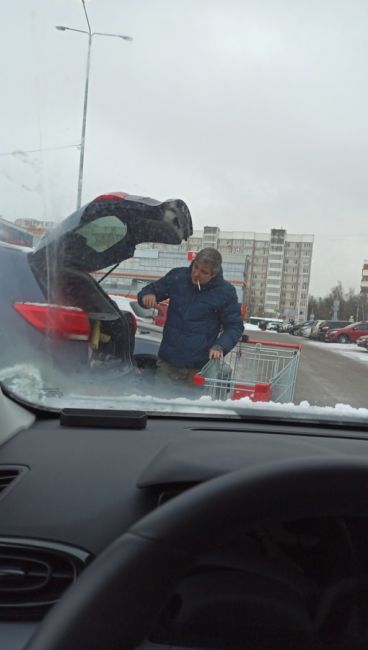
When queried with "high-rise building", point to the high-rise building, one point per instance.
{"points": [[270, 271]]}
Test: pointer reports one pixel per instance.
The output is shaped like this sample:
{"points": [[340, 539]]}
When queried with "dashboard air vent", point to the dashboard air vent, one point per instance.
{"points": [[8, 475], [34, 574]]}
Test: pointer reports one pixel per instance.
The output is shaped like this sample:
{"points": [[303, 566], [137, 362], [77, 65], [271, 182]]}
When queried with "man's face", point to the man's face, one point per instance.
{"points": [[201, 273]]}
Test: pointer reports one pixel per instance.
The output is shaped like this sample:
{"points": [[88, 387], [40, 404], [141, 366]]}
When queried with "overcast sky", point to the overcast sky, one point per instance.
{"points": [[252, 111]]}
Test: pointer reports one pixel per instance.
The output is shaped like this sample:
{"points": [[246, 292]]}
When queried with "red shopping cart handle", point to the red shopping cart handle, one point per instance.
{"points": [[291, 346]]}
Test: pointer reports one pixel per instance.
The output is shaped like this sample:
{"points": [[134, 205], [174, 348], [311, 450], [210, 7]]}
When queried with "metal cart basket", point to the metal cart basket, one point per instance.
{"points": [[260, 370]]}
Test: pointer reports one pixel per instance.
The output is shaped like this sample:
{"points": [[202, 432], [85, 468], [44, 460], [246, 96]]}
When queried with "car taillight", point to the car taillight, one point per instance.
{"points": [[54, 320], [111, 196]]}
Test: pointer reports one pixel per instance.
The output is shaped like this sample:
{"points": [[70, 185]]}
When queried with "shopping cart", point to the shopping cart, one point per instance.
{"points": [[260, 370]]}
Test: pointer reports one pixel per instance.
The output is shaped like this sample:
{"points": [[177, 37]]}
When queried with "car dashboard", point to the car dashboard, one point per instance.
{"points": [[67, 492]]}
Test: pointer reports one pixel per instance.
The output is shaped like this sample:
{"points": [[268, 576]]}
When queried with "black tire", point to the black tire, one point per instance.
{"points": [[343, 338]]}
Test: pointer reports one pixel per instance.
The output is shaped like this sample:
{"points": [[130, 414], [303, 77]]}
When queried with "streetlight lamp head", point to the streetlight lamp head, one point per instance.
{"points": [[61, 28]]}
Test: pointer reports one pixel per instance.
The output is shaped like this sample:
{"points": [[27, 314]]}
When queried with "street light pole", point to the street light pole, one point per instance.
{"points": [[90, 35], [84, 122]]}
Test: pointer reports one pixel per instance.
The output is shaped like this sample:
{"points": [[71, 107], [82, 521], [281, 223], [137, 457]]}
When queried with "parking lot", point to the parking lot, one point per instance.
{"points": [[328, 374]]}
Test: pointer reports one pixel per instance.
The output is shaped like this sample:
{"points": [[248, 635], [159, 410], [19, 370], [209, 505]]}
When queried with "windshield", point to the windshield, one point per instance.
{"points": [[183, 220]]}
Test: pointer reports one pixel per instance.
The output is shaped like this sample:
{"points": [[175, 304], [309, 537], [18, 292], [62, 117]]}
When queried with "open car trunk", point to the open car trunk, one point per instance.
{"points": [[101, 234], [112, 330]]}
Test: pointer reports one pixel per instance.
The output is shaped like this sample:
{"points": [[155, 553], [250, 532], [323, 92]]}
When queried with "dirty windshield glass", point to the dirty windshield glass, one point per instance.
{"points": [[183, 222]]}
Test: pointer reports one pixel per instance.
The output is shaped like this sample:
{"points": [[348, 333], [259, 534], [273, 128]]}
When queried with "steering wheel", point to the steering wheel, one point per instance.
{"points": [[116, 600]]}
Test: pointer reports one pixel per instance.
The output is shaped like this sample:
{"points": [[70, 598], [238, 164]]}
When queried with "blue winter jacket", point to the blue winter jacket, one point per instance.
{"points": [[197, 319]]}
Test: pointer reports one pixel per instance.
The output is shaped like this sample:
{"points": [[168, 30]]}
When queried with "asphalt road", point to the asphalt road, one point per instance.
{"points": [[325, 377]]}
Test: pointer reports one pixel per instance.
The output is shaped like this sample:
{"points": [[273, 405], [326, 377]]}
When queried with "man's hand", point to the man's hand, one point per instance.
{"points": [[149, 301], [216, 352]]}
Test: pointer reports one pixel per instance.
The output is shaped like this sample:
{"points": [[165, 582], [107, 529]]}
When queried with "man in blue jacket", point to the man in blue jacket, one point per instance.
{"points": [[203, 320]]}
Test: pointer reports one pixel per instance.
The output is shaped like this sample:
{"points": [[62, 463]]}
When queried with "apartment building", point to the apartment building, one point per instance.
{"points": [[270, 271], [279, 274]]}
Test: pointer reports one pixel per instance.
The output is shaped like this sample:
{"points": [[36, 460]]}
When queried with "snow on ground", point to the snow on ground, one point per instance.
{"points": [[350, 350]]}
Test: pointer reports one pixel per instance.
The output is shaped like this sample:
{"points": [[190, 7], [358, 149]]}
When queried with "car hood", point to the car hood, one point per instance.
{"points": [[106, 231]]}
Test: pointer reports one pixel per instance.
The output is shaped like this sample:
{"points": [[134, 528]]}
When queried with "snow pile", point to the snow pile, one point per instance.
{"points": [[349, 350], [206, 406], [24, 380]]}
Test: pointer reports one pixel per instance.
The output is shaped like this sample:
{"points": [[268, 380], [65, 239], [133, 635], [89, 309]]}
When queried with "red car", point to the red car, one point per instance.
{"points": [[349, 334]]}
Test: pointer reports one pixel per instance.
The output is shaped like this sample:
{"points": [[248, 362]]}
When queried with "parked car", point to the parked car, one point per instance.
{"points": [[157, 316], [284, 327], [274, 327], [324, 326], [297, 328], [315, 327], [52, 308], [363, 342], [349, 334], [306, 330], [127, 304]]}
